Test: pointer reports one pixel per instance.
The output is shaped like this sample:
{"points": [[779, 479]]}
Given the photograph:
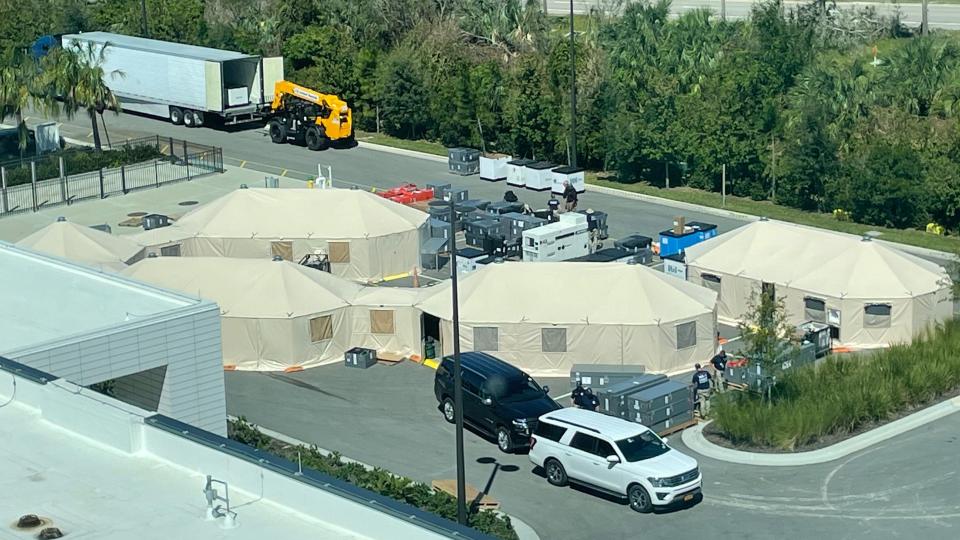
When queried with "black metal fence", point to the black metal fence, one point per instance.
{"points": [[181, 161]]}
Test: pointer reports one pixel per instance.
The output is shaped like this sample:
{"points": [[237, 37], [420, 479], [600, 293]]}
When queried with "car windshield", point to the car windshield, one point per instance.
{"points": [[646, 445], [512, 389]]}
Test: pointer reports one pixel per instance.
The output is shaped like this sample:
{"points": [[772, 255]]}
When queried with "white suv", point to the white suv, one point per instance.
{"points": [[614, 456]]}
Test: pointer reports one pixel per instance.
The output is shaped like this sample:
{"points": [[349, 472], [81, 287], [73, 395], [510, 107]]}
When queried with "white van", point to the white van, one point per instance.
{"points": [[613, 456]]}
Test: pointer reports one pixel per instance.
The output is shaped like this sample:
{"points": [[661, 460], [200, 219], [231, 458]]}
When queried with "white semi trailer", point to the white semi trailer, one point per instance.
{"points": [[186, 84]]}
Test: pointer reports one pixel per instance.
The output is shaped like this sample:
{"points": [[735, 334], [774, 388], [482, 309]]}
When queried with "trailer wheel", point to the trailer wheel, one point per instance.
{"points": [[315, 139], [278, 132], [188, 118], [176, 116]]}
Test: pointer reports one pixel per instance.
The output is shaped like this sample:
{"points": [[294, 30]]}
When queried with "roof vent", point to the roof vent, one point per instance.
{"points": [[50, 533], [277, 258], [243, 186], [61, 218], [29, 521]]}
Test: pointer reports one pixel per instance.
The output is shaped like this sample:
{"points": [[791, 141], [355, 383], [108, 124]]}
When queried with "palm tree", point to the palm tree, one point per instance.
{"points": [[78, 75], [923, 72], [20, 88]]}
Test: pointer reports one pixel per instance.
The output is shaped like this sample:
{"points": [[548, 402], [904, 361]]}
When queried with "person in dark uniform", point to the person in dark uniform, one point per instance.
{"points": [[719, 362], [590, 400], [577, 395], [701, 390], [569, 197]]}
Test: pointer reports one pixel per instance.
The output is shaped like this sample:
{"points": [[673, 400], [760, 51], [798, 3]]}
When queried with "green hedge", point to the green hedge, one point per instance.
{"points": [[377, 480], [77, 161], [845, 393]]}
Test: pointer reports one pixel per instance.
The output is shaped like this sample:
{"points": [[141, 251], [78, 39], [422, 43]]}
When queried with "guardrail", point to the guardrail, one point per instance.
{"points": [[181, 161]]}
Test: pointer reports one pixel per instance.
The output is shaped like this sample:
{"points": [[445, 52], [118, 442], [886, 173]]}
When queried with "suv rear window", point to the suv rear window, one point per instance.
{"points": [[549, 431]]}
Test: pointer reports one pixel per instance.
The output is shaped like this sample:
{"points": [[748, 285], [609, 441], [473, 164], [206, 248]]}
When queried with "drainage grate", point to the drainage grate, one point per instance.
{"points": [[136, 214], [188, 203]]}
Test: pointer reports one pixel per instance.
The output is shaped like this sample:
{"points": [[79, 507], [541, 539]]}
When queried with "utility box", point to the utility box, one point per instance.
{"points": [[359, 357], [463, 161], [517, 223], [613, 398], [674, 265], [598, 376], [596, 221], [539, 175], [155, 221], [573, 175], [438, 228], [566, 239], [515, 172], [493, 167], [440, 191]]}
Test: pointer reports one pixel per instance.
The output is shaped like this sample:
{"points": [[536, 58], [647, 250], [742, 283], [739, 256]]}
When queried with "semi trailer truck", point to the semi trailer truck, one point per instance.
{"points": [[185, 84]]}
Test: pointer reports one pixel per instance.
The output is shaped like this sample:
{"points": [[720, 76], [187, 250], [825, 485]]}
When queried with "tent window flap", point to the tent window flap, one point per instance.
{"points": [[876, 316], [486, 338], [711, 282], [814, 309], [381, 321], [170, 251], [321, 328], [553, 340], [686, 335], [339, 252], [283, 250]]}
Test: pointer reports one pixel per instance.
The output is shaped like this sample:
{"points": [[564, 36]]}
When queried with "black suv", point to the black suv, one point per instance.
{"points": [[498, 398]]}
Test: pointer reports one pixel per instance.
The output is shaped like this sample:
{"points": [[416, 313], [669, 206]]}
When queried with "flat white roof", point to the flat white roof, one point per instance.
{"points": [[155, 45], [90, 491], [47, 299]]}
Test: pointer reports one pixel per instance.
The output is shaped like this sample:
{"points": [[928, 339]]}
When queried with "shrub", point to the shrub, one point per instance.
{"points": [[77, 161], [845, 393], [377, 480]]}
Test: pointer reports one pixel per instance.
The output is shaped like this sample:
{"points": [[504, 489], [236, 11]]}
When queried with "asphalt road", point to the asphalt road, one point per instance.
{"points": [[945, 16], [387, 416], [372, 168]]}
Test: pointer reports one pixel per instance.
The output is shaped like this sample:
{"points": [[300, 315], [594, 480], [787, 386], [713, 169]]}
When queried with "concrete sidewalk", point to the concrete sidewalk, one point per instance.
{"points": [[694, 440]]}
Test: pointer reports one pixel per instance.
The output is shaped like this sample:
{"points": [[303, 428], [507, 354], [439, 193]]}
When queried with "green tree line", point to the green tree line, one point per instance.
{"points": [[790, 100]]}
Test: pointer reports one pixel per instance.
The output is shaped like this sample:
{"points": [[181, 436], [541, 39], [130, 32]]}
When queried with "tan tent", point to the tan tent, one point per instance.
{"points": [[275, 315], [873, 294], [84, 245], [544, 317], [385, 319], [366, 236]]}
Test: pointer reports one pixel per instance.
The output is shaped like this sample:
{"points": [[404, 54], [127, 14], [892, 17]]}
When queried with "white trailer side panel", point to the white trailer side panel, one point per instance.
{"points": [[146, 77], [272, 74], [214, 86]]}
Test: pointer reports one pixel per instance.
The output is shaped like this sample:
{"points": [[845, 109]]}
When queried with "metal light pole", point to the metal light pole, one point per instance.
{"points": [[143, 14], [457, 374], [924, 26], [573, 93]]}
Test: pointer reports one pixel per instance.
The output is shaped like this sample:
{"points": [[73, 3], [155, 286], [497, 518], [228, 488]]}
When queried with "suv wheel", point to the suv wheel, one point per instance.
{"points": [[556, 475], [639, 499], [503, 440], [449, 413]]}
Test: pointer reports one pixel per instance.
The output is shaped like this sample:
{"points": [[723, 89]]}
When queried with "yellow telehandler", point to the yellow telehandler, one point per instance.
{"points": [[309, 117]]}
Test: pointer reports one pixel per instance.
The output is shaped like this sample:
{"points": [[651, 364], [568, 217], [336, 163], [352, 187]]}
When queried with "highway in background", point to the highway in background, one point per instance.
{"points": [[945, 16]]}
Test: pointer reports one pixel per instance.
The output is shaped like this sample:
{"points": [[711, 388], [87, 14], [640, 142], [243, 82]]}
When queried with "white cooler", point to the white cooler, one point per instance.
{"points": [[515, 172], [493, 167], [539, 175], [574, 175]]}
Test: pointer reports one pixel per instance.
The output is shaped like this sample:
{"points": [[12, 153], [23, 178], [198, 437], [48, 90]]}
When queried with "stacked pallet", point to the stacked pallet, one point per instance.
{"points": [[663, 405]]}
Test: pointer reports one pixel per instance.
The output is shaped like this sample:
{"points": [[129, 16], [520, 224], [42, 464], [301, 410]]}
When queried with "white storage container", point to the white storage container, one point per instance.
{"points": [[515, 172], [493, 167], [539, 175], [566, 239], [574, 175], [238, 96]]}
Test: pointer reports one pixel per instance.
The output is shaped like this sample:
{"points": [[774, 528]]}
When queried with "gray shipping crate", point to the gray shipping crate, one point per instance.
{"points": [[671, 422], [598, 376], [439, 228], [659, 396], [464, 168], [613, 398], [521, 222], [439, 190], [656, 416], [358, 357]]}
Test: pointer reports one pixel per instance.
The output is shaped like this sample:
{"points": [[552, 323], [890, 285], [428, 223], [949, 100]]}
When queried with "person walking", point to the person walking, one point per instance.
{"points": [[569, 197], [701, 390], [719, 362]]}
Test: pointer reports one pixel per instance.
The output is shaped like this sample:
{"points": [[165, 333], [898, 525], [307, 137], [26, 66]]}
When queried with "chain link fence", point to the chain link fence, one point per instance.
{"points": [[31, 184]]}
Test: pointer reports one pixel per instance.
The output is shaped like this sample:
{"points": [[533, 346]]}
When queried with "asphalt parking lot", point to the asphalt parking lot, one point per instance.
{"points": [[387, 416]]}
